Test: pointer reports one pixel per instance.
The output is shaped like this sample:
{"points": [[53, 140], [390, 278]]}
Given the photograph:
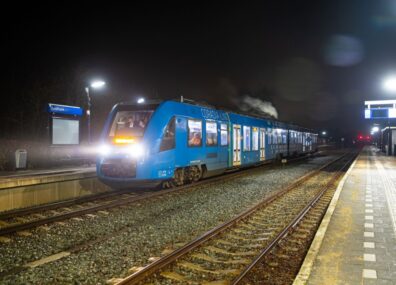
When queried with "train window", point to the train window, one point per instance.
{"points": [[130, 123], [194, 133], [223, 135], [269, 136], [255, 139], [246, 138], [168, 140], [211, 133]]}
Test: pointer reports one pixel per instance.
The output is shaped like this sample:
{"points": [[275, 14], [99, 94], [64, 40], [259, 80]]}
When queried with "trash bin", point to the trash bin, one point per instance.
{"points": [[20, 159]]}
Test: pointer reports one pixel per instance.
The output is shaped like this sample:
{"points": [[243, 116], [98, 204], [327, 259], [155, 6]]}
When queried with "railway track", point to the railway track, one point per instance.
{"points": [[26, 219], [281, 265], [227, 253]]}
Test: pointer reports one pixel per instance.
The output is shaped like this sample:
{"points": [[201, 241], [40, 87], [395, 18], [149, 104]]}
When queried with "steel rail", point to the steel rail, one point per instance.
{"points": [[173, 256]]}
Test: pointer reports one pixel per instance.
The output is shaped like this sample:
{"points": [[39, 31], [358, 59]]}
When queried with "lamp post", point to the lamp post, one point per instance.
{"points": [[97, 84], [389, 85]]}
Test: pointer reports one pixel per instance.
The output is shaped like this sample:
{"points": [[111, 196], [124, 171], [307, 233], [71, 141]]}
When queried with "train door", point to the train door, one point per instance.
{"points": [[262, 144], [236, 139]]}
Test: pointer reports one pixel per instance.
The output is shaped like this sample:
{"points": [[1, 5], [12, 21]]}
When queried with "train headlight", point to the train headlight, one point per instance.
{"points": [[104, 149], [136, 150]]}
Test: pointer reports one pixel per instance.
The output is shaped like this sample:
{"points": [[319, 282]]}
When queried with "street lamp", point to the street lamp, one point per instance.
{"points": [[389, 85], [140, 100], [97, 84], [324, 133]]}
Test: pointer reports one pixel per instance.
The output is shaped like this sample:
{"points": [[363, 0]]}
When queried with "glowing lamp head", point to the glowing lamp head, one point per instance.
{"points": [[141, 100], [389, 84], [98, 84]]}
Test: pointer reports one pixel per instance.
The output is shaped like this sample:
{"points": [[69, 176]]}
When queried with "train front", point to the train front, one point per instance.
{"points": [[122, 155]]}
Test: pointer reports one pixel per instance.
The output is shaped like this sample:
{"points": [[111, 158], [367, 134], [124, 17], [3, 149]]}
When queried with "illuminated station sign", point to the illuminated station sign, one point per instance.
{"points": [[380, 109]]}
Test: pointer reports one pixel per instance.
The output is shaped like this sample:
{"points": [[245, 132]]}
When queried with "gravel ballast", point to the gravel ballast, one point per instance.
{"points": [[135, 233]]}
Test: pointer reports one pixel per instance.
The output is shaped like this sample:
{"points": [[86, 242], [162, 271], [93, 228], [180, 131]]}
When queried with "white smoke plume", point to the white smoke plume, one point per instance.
{"points": [[258, 106]]}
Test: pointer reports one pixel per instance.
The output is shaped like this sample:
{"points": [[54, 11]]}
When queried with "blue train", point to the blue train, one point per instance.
{"points": [[173, 143]]}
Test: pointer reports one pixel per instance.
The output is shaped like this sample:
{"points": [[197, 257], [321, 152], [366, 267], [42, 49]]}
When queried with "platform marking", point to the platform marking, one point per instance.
{"points": [[369, 211], [390, 192], [369, 217], [369, 205], [369, 225], [369, 234], [367, 244], [369, 257], [369, 274], [369, 200]]}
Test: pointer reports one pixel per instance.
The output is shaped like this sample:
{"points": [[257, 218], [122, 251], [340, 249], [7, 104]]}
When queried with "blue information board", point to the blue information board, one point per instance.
{"points": [[64, 110]]}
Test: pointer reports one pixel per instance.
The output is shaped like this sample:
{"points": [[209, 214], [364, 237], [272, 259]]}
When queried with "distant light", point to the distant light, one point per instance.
{"points": [[98, 84], [141, 100], [324, 133], [389, 84], [374, 130], [88, 112]]}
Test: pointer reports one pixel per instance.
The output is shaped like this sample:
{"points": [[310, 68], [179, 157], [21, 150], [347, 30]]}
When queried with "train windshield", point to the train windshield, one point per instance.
{"points": [[130, 124]]}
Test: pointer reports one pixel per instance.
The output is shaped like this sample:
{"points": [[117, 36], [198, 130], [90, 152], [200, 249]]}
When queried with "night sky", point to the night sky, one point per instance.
{"points": [[315, 61]]}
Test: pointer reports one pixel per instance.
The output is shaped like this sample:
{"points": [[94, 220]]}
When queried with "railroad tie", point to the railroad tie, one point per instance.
{"points": [[175, 276], [5, 240], [211, 259], [195, 267], [4, 224], [24, 233], [225, 252]]}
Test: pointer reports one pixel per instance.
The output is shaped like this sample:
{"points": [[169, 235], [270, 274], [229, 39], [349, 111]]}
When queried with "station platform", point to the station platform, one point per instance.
{"points": [[356, 241], [30, 177], [29, 188]]}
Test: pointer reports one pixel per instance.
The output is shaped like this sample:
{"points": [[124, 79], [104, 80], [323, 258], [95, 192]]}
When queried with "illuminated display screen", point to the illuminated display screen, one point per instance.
{"points": [[65, 131], [379, 113]]}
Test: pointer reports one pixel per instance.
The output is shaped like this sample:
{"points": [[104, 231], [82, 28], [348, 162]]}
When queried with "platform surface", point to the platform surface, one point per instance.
{"points": [[356, 242], [31, 177]]}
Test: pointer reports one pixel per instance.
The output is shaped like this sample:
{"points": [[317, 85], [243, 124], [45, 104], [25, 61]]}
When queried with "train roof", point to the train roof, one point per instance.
{"points": [[155, 103]]}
